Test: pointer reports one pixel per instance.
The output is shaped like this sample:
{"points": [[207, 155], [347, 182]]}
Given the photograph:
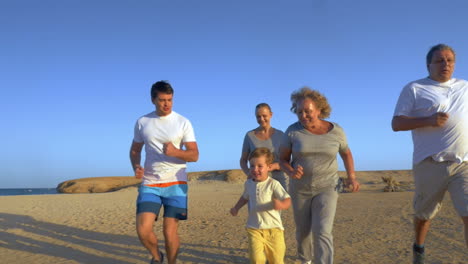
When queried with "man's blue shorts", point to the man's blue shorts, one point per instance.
{"points": [[173, 198]]}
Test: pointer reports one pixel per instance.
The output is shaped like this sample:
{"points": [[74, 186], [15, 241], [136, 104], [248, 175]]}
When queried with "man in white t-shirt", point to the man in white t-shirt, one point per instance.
{"points": [[435, 110], [169, 142]]}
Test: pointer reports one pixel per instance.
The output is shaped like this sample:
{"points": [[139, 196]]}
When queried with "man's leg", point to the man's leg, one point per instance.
{"points": [[421, 227], [465, 222], [170, 227], [458, 189], [144, 226], [431, 181]]}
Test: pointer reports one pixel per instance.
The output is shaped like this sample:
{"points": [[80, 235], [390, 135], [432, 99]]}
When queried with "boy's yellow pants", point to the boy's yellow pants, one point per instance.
{"points": [[266, 244]]}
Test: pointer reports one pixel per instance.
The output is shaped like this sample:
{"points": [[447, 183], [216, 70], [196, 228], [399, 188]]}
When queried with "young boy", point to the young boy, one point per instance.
{"points": [[266, 197]]}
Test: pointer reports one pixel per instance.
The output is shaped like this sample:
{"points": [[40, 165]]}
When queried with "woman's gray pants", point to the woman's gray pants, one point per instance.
{"points": [[314, 215]]}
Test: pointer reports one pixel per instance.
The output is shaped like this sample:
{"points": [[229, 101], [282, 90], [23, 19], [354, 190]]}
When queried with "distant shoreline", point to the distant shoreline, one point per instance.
{"points": [[27, 191]]}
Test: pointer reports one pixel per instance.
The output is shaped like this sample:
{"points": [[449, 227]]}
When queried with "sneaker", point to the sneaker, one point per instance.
{"points": [[418, 258], [161, 259], [306, 262]]}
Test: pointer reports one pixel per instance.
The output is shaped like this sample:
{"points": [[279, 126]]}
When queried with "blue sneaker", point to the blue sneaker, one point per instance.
{"points": [[161, 259], [418, 257]]}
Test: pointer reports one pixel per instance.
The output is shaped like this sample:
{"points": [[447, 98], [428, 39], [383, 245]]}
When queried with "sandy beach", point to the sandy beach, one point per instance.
{"points": [[371, 226]]}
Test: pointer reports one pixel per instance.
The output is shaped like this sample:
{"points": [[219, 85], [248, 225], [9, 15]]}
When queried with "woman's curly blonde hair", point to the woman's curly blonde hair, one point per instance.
{"points": [[319, 100]]}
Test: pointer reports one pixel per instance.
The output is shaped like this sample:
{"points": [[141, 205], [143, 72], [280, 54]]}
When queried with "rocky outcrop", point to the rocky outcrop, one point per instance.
{"points": [[219, 175], [110, 184], [97, 184], [235, 176]]}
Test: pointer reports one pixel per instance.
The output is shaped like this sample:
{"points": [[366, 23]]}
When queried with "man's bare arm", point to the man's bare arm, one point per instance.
{"points": [[405, 123], [190, 154], [135, 158]]}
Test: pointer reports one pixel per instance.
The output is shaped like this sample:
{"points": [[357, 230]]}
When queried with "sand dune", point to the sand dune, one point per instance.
{"points": [[370, 227]]}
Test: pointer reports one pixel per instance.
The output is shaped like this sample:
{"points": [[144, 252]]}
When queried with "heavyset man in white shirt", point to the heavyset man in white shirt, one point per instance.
{"points": [[435, 109], [169, 143]]}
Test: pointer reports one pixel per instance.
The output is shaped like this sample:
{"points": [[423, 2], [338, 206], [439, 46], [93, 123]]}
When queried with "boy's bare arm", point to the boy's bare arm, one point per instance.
{"points": [[281, 204], [238, 206]]}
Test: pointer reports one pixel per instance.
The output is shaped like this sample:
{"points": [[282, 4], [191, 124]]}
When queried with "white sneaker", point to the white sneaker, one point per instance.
{"points": [[306, 262]]}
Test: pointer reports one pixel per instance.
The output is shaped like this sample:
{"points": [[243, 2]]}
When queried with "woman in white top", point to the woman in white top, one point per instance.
{"points": [[264, 136]]}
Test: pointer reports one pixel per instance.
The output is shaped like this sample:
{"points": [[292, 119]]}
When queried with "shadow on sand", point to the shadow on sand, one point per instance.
{"points": [[24, 233]]}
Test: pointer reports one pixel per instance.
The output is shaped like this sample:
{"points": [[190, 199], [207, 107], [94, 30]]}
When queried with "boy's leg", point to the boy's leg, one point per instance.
{"points": [[275, 247], [256, 246], [323, 215]]}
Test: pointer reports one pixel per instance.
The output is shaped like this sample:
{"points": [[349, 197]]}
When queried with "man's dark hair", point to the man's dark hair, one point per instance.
{"points": [[161, 87]]}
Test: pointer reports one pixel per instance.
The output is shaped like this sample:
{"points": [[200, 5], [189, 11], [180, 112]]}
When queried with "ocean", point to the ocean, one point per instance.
{"points": [[27, 191]]}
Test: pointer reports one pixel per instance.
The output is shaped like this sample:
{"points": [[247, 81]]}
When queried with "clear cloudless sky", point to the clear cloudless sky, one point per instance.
{"points": [[76, 74]]}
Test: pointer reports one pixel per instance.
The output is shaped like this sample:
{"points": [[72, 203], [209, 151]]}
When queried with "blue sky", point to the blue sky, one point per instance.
{"points": [[75, 75]]}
